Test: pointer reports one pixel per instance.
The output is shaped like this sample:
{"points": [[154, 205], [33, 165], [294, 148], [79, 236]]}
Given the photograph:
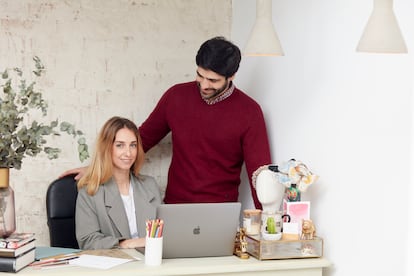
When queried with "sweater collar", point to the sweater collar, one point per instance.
{"points": [[222, 96]]}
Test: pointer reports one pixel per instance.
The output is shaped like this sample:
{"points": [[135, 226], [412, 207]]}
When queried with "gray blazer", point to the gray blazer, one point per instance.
{"points": [[101, 221]]}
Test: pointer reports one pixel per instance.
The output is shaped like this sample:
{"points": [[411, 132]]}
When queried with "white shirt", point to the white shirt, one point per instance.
{"points": [[129, 205]]}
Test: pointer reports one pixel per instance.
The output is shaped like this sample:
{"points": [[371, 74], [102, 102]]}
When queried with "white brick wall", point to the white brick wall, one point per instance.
{"points": [[103, 58]]}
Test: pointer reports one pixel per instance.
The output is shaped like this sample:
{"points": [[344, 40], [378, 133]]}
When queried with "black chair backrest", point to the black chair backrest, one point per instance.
{"points": [[60, 209]]}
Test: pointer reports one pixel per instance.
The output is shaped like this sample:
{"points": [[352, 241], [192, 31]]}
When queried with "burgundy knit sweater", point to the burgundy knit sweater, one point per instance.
{"points": [[210, 143]]}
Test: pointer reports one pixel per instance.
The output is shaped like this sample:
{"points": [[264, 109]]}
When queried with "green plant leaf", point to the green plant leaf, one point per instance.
{"points": [[21, 136]]}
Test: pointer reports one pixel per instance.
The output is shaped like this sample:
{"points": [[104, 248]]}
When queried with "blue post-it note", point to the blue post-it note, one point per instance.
{"points": [[47, 251]]}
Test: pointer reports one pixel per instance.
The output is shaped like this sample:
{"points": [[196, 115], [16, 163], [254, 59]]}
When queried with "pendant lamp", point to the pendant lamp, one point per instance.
{"points": [[382, 33], [263, 39]]}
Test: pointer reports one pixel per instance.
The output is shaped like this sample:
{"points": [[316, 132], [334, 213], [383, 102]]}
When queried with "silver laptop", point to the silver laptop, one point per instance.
{"points": [[199, 229]]}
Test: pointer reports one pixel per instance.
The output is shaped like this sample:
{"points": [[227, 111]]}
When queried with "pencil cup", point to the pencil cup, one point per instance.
{"points": [[153, 251]]}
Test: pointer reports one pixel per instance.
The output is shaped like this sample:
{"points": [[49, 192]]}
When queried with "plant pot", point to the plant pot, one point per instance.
{"points": [[7, 213], [271, 237]]}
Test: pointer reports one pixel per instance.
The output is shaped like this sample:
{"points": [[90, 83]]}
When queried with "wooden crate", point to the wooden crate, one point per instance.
{"points": [[284, 249]]}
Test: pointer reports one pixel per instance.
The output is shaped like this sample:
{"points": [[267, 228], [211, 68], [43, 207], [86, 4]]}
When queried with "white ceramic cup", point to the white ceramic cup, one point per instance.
{"points": [[153, 251]]}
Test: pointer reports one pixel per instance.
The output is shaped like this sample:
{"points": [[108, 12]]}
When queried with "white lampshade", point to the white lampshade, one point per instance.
{"points": [[263, 39], [382, 33]]}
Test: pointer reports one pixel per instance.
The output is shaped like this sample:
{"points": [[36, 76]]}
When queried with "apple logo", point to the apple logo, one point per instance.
{"points": [[196, 231]]}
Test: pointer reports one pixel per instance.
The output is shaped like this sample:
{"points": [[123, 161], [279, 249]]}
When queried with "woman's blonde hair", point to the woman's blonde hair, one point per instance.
{"points": [[100, 169]]}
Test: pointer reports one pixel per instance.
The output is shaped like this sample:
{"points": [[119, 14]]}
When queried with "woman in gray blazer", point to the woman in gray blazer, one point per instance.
{"points": [[114, 200]]}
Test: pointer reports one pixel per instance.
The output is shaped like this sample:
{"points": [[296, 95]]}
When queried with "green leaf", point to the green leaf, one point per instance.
{"points": [[21, 136], [54, 124]]}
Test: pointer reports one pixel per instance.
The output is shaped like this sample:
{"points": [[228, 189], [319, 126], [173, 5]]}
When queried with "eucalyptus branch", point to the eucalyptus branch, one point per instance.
{"points": [[19, 139]]}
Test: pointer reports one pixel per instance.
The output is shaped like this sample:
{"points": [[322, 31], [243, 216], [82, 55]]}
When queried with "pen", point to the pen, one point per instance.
{"points": [[154, 228], [160, 229], [51, 261]]}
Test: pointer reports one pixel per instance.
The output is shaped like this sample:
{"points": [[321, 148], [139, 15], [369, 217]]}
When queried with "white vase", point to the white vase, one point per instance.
{"points": [[7, 213]]}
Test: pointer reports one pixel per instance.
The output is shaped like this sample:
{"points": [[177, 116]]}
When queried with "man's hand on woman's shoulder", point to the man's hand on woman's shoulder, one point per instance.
{"points": [[79, 172]]}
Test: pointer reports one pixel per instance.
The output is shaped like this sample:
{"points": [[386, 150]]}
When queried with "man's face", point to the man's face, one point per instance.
{"points": [[210, 83]]}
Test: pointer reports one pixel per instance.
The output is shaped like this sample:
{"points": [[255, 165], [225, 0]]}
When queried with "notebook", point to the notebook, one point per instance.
{"points": [[199, 229]]}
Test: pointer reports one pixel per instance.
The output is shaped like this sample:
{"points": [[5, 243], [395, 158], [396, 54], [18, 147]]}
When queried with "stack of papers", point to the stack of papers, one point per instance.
{"points": [[100, 262]]}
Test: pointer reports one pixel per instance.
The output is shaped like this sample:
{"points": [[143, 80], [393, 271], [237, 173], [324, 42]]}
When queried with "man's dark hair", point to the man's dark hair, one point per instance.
{"points": [[220, 56]]}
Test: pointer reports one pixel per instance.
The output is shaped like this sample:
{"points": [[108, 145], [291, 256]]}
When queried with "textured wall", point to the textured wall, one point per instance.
{"points": [[102, 58]]}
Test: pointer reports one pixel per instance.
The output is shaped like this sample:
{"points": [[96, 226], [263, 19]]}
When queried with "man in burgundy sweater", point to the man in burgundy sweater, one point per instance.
{"points": [[215, 127]]}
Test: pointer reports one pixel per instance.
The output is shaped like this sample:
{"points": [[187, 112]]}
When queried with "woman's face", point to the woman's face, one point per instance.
{"points": [[124, 149]]}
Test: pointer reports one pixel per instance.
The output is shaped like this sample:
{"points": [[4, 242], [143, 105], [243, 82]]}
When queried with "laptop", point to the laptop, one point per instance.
{"points": [[199, 229]]}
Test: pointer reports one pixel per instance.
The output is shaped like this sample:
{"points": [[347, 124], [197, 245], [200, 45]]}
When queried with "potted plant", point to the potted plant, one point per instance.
{"points": [[22, 136]]}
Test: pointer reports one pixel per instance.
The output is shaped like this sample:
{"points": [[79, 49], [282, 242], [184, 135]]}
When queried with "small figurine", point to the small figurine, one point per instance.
{"points": [[308, 230], [240, 246]]}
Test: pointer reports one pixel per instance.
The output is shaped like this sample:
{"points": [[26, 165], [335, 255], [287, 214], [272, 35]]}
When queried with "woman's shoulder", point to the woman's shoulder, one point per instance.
{"points": [[110, 184]]}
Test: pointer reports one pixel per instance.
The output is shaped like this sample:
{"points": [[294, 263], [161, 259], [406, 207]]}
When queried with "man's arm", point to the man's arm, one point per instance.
{"points": [[256, 149], [155, 127]]}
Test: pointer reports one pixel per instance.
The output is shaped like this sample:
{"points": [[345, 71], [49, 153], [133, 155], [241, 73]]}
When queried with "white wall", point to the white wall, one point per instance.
{"points": [[102, 58], [348, 116]]}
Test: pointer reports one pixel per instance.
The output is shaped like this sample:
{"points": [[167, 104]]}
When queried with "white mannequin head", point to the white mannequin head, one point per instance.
{"points": [[269, 191]]}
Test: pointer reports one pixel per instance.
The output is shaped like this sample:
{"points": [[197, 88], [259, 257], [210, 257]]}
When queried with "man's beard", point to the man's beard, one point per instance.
{"points": [[216, 91]]}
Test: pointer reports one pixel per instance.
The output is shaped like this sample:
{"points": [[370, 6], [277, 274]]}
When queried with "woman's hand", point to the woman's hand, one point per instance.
{"points": [[132, 243]]}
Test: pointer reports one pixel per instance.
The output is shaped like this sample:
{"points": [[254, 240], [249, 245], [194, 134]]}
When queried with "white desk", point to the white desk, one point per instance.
{"points": [[230, 265]]}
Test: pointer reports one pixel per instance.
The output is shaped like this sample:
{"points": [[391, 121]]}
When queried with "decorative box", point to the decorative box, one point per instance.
{"points": [[283, 249]]}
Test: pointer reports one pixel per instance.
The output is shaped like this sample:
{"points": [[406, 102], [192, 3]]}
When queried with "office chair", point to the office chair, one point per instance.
{"points": [[60, 209]]}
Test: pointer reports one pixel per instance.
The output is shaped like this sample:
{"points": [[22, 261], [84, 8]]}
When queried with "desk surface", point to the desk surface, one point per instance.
{"points": [[230, 265]]}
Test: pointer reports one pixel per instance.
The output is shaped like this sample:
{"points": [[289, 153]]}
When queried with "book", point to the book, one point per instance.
{"points": [[16, 240], [17, 263], [44, 252], [14, 252]]}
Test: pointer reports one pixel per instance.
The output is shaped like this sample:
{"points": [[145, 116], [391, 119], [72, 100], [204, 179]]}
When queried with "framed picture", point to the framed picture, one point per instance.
{"points": [[297, 210]]}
